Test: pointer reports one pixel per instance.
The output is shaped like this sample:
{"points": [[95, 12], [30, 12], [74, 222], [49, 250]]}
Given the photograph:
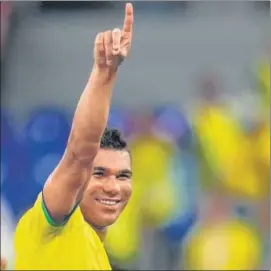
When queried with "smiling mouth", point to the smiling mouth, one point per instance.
{"points": [[108, 202]]}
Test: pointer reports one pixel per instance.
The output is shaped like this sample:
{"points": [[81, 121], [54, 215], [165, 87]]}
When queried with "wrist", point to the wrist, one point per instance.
{"points": [[103, 75]]}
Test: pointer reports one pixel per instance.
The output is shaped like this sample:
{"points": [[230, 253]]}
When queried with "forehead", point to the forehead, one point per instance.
{"points": [[112, 159]]}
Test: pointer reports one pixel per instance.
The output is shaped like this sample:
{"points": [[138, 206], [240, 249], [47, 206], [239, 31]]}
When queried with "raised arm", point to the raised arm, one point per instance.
{"points": [[65, 186]]}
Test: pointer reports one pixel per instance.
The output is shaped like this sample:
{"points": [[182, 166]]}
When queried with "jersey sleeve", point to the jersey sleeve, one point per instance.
{"points": [[48, 217], [39, 221]]}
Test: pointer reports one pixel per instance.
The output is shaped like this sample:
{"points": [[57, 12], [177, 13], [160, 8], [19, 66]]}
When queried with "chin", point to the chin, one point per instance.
{"points": [[106, 222]]}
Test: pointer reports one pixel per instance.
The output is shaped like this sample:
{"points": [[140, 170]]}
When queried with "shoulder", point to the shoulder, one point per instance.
{"points": [[38, 219]]}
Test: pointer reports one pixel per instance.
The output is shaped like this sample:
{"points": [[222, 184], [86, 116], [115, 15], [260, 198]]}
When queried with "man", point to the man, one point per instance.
{"points": [[91, 185]]}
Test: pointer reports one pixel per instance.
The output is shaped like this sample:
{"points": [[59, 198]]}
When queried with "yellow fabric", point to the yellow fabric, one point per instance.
{"points": [[150, 158], [230, 245], [160, 203], [73, 246], [227, 151], [151, 166]]}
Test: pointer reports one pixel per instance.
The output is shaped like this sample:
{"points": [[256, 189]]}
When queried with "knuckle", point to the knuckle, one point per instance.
{"points": [[99, 36], [101, 61], [116, 31], [99, 45]]}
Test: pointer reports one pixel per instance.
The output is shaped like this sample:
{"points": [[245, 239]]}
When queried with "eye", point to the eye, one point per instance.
{"points": [[123, 177], [98, 174]]}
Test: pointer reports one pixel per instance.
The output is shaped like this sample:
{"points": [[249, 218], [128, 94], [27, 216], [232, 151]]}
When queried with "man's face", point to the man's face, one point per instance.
{"points": [[109, 188]]}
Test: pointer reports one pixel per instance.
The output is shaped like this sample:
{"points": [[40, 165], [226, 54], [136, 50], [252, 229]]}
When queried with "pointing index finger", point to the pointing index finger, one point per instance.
{"points": [[129, 19]]}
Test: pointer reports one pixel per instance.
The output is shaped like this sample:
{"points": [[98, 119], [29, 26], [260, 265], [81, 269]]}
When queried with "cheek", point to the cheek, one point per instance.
{"points": [[126, 190], [94, 186]]}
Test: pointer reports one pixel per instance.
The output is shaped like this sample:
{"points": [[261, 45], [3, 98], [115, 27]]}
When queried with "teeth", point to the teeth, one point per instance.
{"points": [[108, 202]]}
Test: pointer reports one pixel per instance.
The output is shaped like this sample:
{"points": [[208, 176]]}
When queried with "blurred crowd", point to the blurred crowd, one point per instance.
{"points": [[201, 178]]}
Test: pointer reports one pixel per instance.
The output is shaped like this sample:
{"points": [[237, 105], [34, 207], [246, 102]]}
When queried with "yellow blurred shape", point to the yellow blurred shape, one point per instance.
{"points": [[151, 160], [227, 151], [159, 204], [260, 148], [230, 245]]}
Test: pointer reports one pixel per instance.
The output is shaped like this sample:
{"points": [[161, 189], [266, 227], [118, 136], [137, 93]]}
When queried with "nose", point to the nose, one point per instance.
{"points": [[111, 186]]}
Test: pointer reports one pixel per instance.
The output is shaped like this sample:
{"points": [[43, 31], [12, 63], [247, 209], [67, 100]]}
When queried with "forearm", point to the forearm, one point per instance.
{"points": [[91, 114], [64, 187]]}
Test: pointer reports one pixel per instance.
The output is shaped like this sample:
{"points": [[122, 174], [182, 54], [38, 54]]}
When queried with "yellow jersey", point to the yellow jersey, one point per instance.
{"points": [[40, 244]]}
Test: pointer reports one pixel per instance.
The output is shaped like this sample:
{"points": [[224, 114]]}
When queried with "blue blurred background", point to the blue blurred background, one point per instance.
{"points": [[193, 101]]}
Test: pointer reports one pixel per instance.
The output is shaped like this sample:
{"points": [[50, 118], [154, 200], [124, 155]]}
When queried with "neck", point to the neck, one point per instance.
{"points": [[101, 231]]}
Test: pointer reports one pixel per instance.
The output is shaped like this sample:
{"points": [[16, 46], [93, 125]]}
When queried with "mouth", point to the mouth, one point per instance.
{"points": [[108, 202]]}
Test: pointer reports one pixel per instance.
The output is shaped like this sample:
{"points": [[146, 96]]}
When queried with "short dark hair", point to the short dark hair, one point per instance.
{"points": [[112, 139]]}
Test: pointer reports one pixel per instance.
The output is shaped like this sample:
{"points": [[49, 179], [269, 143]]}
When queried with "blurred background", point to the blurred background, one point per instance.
{"points": [[193, 101]]}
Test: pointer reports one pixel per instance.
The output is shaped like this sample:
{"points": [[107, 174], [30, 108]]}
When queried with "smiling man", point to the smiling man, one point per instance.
{"points": [[91, 185]]}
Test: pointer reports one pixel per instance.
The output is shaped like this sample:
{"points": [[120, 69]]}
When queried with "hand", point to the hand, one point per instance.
{"points": [[3, 264], [112, 47]]}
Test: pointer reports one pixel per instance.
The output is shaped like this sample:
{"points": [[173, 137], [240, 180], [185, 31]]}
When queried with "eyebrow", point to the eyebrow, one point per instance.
{"points": [[99, 168], [122, 171]]}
